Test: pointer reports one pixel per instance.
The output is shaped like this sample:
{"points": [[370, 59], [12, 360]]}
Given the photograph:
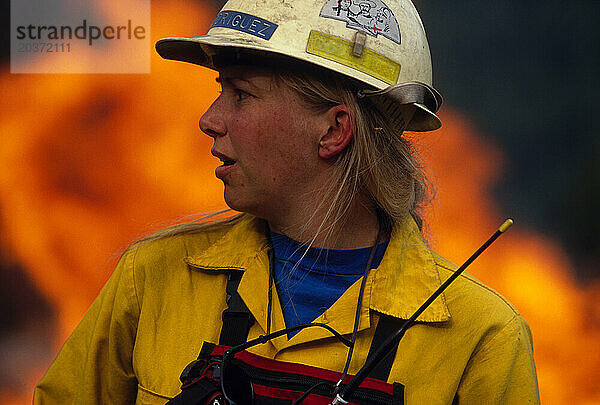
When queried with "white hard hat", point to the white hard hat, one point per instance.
{"points": [[380, 43]]}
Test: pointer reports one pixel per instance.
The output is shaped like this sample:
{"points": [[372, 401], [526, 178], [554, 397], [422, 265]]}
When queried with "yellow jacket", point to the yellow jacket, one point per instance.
{"points": [[166, 297]]}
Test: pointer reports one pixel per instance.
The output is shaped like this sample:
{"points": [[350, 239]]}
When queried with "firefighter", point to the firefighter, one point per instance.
{"points": [[309, 128]]}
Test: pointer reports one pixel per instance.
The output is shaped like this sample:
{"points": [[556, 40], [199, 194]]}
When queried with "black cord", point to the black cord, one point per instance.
{"points": [[264, 339], [270, 293], [276, 334], [226, 398], [307, 392], [358, 308], [269, 335], [348, 390]]}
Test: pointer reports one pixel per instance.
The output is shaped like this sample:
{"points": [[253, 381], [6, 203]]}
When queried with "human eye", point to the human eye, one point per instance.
{"points": [[241, 95], [235, 90]]}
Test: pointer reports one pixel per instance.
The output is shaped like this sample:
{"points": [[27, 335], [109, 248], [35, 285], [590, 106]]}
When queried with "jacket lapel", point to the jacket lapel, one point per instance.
{"points": [[405, 278]]}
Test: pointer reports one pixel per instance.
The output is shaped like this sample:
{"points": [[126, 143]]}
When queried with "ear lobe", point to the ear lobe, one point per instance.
{"points": [[339, 133]]}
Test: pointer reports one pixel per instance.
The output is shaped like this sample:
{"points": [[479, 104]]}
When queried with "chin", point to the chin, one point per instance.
{"points": [[236, 203], [241, 205]]}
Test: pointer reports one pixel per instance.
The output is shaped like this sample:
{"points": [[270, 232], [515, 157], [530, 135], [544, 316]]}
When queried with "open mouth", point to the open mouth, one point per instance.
{"points": [[227, 161], [223, 171]]}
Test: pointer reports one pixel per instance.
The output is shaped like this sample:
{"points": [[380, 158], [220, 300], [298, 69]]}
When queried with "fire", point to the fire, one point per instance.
{"points": [[92, 162], [529, 269]]}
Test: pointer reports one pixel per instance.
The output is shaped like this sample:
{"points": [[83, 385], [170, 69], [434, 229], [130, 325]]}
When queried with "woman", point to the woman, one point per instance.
{"points": [[309, 128]]}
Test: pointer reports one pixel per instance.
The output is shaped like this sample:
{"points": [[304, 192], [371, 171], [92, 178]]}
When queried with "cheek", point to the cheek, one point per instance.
{"points": [[280, 133], [275, 143], [291, 142]]}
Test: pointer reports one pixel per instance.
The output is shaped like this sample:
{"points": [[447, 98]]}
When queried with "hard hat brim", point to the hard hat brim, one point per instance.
{"points": [[424, 120], [201, 50]]}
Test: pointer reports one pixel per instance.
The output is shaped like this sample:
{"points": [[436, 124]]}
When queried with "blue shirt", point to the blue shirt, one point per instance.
{"points": [[310, 281]]}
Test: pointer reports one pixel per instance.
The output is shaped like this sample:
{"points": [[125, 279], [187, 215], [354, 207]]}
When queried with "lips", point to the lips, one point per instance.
{"points": [[223, 157], [226, 167]]}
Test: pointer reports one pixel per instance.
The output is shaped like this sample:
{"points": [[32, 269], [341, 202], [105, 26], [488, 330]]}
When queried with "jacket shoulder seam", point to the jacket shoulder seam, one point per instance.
{"points": [[133, 253], [480, 285], [498, 333]]}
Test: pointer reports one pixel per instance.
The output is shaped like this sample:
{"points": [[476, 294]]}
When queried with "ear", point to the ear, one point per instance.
{"points": [[339, 133]]}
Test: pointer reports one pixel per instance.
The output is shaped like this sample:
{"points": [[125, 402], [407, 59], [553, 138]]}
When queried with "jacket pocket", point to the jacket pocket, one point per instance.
{"points": [[149, 397]]}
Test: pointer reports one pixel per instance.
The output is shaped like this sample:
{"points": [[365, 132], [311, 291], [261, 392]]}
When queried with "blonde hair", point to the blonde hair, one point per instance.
{"points": [[378, 163]]}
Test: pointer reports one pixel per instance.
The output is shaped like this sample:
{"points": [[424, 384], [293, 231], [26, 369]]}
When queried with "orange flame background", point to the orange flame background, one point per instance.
{"points": [[92, 162]]}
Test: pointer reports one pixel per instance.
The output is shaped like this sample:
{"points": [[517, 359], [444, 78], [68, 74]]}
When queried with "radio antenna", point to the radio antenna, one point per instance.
{"points": [[347, 390]]}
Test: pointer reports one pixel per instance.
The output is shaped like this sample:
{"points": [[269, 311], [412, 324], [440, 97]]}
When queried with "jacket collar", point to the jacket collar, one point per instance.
{"points": [[405, 278]]}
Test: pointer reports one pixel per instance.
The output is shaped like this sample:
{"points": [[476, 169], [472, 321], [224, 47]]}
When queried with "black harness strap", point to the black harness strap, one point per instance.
{"points": [[386, 327], [237, 319]]}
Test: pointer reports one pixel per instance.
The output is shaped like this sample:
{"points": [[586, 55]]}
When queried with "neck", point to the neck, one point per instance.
{"points": [[358, 228]]}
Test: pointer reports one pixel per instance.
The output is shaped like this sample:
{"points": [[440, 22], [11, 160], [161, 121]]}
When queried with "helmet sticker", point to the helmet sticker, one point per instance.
{"points": [[247, 23], [339, 50], [370, 16]]}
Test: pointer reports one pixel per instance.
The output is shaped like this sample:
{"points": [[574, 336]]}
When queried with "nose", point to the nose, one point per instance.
{"points": [[211, 122]]}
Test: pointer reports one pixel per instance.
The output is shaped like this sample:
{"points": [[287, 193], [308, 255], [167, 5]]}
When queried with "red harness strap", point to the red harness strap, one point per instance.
{"points": [[266, 381]]}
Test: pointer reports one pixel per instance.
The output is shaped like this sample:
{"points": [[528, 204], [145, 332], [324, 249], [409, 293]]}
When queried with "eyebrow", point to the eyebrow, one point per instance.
{"points": [[230, 79]]}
